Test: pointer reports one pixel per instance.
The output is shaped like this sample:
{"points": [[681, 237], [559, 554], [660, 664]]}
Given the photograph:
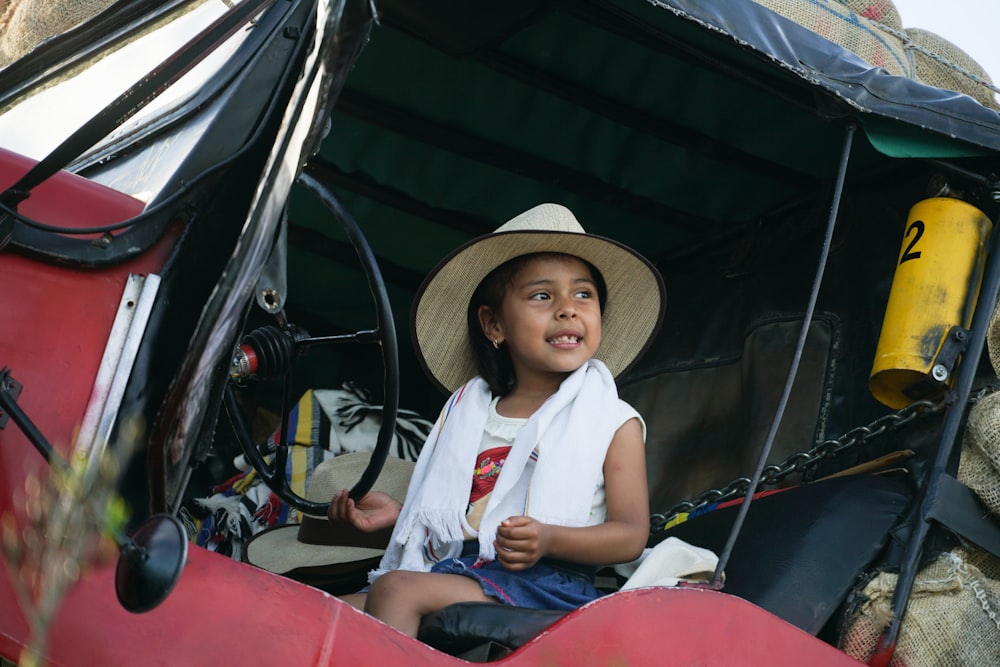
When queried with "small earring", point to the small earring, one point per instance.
{"points": [[496, 343]]}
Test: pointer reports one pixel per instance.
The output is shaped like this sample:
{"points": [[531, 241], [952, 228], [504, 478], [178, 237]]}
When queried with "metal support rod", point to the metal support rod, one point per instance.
{"points": [[796, 358], [34, 435], [946, 443]]}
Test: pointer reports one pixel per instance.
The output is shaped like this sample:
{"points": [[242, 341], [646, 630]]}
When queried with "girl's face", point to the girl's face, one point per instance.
{"points": [[550, 318]]}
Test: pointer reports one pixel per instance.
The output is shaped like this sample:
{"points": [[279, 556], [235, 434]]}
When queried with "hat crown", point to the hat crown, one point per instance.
{"points": [[543, 218], [344, 470]]}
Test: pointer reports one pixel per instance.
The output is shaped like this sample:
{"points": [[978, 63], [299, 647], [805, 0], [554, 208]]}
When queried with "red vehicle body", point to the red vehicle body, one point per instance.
{"points": [[224, 595], [218, 212]]}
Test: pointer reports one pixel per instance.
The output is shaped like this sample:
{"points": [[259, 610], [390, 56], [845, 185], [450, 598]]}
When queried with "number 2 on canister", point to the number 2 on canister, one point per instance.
{"points": [[917, 227]]}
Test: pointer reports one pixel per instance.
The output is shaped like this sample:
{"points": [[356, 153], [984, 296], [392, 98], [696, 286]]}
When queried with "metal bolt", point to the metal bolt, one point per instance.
{"points": [[960, 334], [939, 373], [271, 298]]}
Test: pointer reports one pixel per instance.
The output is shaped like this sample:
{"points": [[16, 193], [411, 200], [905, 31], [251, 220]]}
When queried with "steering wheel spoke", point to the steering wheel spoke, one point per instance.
{"points": [[365, 336]]}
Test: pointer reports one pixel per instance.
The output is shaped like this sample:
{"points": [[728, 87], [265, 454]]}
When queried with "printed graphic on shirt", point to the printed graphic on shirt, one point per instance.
{"points": [[484, 478], [488, 466]]}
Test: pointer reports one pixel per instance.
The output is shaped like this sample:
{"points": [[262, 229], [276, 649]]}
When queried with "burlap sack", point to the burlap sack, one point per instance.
{"points": [[873, 29], [882, 12], [979, 468], [941, 64], [953, 617], [26, 23], [993, 340], [840, 22]]}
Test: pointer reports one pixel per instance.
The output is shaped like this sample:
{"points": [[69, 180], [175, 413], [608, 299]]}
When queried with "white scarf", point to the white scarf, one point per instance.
{"points": [[571, 430]]}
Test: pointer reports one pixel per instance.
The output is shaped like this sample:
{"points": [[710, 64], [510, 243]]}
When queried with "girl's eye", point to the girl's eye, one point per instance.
{"points": [[584, 294], [539, 296]]}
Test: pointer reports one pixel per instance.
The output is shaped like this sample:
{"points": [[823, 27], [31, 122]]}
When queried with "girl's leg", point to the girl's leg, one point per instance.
{"points": [[356, 600], [401, 598]]}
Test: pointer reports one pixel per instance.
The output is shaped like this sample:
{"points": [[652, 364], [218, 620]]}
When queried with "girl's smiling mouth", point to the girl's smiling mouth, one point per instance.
{"points": [[565, 339]]}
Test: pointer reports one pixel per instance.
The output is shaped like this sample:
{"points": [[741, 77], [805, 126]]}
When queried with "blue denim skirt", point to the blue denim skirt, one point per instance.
{"points": [[548, 584]]}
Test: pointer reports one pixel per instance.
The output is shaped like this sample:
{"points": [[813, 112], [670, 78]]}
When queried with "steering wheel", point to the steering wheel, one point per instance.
{"points": [[277, 346]]}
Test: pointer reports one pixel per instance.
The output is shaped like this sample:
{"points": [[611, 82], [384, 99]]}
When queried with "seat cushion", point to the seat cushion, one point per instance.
{"points": [[463, 626]]}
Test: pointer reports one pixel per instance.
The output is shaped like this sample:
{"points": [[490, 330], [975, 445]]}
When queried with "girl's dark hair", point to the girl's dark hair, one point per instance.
{"points": [[494, 365]]}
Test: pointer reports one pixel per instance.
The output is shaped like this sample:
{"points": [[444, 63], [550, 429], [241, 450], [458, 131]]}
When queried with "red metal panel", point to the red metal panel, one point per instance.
{"points": [[660, 626], [55, 325], [227, 613], [56, 319]]}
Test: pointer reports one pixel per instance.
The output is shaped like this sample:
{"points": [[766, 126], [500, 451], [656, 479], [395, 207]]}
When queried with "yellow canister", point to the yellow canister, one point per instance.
{"points": [[937, 279]]}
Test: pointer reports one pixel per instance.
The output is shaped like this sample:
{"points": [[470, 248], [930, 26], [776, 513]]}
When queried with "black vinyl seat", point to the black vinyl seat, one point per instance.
{"points": [[493, 629]]}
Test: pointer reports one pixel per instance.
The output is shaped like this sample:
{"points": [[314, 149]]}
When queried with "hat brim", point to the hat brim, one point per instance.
{"points": [[631, 317], [278, 550]]}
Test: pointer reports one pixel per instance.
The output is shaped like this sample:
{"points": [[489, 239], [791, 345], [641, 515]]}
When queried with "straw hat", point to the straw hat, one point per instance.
{"points": [[631, 317], [316, 542]]}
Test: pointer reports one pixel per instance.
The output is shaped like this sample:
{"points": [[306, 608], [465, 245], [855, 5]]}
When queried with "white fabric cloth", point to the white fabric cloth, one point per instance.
{"points": [[500, 432], [575, 425], [667, 564]]}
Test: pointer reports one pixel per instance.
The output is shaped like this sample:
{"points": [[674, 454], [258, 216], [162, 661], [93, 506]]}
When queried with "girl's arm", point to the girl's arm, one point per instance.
{"points": [[521, 540]]}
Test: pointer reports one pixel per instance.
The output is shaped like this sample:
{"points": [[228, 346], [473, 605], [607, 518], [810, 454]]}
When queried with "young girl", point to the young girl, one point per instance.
{"points": [[535, 472]]}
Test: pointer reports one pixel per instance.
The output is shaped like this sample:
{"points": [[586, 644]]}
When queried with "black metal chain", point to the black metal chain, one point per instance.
{"points": [[801, 461]]}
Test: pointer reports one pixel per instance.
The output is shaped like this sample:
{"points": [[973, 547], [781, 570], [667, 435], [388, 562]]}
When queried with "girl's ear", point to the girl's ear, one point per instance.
{"points": [[489, 323]]}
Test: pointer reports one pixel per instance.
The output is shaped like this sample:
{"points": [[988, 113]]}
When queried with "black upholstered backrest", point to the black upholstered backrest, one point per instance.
{"points": [[707, 421]]}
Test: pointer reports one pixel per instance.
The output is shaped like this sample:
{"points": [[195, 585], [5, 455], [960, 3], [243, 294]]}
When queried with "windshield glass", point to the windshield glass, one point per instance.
{"points": [[41, 118]]}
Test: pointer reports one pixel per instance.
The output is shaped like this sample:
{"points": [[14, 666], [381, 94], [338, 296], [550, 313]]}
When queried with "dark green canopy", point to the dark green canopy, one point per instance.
{"points": [[671, 126]]}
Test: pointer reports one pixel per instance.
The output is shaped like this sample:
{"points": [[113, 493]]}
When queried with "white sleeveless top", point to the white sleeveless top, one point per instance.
{"points": [[498, 436]]}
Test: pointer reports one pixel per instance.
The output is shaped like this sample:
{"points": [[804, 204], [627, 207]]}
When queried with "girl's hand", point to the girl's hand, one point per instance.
{"points": [[375, 511], [521, 542]]}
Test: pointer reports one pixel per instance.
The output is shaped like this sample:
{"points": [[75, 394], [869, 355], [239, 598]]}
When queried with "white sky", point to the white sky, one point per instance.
{"points": [[972, 25]]}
